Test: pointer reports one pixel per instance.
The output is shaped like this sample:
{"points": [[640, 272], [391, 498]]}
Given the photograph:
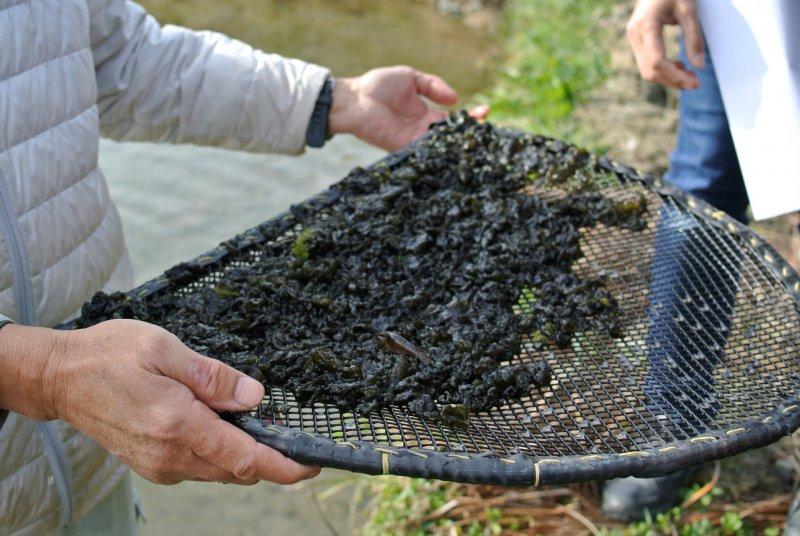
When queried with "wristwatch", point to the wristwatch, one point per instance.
{"points": [[317, 133]]}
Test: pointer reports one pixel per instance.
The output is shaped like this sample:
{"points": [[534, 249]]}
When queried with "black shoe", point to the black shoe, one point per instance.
{"points": [[627, 499]]}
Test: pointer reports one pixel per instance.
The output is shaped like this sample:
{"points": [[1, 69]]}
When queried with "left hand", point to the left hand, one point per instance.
{"points": [[385, 108], [646, 36]]}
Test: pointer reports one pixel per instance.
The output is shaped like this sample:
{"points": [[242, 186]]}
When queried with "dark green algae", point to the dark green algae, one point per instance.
{"points": [[406, 290]]}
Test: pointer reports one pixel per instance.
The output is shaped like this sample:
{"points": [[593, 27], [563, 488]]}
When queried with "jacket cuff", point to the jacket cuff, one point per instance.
{"points": [[306, 93]]}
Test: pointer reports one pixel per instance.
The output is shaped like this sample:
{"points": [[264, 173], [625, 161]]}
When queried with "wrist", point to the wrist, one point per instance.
{"points": [[29, 363], [340, 119]]}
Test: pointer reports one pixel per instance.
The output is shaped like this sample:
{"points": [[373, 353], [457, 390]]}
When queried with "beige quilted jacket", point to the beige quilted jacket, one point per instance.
{"points": [[69, 71]]}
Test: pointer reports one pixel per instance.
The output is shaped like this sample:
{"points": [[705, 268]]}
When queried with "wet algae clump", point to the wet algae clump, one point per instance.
{"points": [[417, 286]]}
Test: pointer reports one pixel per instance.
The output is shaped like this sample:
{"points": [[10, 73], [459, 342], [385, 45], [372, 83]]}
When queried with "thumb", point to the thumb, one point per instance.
{"points": [[220, 386]]}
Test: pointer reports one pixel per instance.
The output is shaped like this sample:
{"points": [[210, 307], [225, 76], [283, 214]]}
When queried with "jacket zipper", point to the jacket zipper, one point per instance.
{"points": [[26, 314], [19, 262]]}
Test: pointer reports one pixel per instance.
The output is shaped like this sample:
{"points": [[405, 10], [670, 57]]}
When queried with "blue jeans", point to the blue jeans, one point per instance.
{"points": [[691, 300], [704, 160]]}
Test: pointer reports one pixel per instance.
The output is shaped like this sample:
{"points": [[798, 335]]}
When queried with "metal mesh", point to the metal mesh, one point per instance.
{"points": [[711, 337]]}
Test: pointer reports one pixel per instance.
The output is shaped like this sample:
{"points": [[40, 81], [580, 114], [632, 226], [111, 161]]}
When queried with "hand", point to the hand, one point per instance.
{"points": [[645, 33], [144, 396], [384, 106]]}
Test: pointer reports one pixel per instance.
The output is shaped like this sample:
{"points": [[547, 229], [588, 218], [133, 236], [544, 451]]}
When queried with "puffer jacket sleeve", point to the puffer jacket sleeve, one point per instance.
{"points": [[176, 85]]}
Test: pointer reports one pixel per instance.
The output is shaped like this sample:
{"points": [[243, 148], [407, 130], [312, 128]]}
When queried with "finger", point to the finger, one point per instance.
{"points": [[435, 89], [646, 58], [227, 447], [692, 35], [677, 75], [634, 32], [220, 386], [657, 67], [479, 113], [652, 50], [201, 470], [195, 468]]}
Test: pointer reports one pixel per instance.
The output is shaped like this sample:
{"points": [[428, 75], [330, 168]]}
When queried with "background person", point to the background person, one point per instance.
{"points": [[703, 163], [69, 71]]}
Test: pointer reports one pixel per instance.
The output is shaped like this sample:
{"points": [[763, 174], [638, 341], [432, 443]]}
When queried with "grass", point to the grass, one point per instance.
{"points": [[400, 500], [552, 63], [740, 496], [419, 507]]}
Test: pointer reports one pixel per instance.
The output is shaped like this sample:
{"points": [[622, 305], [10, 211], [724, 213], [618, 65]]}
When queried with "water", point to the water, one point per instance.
{"points": [[348, 36], [179, 201]]}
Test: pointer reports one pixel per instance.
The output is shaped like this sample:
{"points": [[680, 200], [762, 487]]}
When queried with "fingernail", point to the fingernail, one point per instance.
{"points": [[699, 60], [248, 392]]}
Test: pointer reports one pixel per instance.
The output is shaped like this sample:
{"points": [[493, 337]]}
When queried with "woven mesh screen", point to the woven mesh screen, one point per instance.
{"points": [[710, 341]]}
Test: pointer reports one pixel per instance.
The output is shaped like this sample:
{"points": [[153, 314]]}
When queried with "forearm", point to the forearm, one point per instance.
{"points": [[27, 356], [172, 84]]}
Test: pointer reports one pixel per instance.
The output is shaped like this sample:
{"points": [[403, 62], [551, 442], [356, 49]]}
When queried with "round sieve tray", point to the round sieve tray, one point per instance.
{"points": [[707, 365]]}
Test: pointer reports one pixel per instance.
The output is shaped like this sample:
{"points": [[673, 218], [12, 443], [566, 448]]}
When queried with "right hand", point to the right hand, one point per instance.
{"points": [[147, 398], [385, 106], [645, 34]]}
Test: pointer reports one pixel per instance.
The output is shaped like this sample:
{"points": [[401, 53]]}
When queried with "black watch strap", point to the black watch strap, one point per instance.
{"points": [[317, 133]]}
